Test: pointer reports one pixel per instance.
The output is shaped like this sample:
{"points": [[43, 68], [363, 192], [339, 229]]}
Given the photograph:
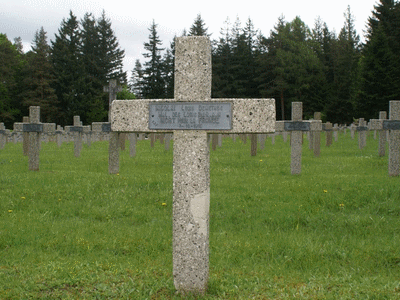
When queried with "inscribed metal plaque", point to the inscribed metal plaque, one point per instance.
{"points": [[32, 127], [297, 126], [106, 127], [76, 129], [362, 128], [391, 125], [190, 115]]}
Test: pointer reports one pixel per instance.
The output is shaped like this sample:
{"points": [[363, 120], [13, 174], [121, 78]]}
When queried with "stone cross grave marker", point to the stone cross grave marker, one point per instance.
{"points": [[362, 133], [393, 126], [382, 135], [34, 128], [77, 131], [316, 136], [3, 137], [296, 127], [327, 127], [25, 138], [191, 116]]}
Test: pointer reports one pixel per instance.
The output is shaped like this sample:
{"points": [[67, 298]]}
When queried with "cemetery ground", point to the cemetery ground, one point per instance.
{"points": [[72, 231]]}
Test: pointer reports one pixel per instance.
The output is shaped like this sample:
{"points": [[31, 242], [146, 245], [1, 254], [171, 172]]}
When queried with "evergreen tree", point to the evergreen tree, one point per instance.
{"points": [[39, 78], [92, 105], [168, 71], [340, 105], [221, 61], [380, 65], [136, 82], [153, 81], [11, 63], [295, 66], [68, 69], [111, 53], [198, 28]]}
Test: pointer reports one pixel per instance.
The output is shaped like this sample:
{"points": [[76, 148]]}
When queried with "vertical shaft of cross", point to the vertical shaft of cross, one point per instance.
{"points": [[77, 137], [394, 139], [34, 139], [191, 178], [296, 139], [382, 135], [317, 137], [25, 138]]}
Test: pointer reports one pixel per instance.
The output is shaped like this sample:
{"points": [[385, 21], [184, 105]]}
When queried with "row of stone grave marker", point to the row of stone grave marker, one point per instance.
{"points": [[102, 131], [191, 176]]}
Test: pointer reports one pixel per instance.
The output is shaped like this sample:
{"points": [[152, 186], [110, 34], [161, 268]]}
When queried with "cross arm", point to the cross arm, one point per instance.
{"points": [[248, 115]]}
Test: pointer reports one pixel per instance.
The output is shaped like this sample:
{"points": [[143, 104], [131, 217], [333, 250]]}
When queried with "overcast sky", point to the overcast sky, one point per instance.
{"points": [[131, 19]]}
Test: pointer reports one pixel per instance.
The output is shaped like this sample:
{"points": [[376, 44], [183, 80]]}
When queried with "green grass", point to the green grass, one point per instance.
{"points": [[72, 231]]}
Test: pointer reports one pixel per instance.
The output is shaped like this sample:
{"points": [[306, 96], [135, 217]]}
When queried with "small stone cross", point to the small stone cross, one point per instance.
{"points": [[34, 128], [297, 126], [2, 136], [77, 130], [191, 116], [393, 126]]}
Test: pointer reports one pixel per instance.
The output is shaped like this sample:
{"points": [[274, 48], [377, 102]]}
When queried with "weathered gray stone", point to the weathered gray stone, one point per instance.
{"points": [[113, 153], [382, 135], [362, 133], [316, 136], [34, 139], [3, 136], [132, 144], [394, 139], [191, 177], [328, 133], [296, 139], [25, 138]]}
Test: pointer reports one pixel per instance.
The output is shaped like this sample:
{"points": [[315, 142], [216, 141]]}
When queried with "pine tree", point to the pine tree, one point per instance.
{"points": [[68, 69], [153, 81], [346, 56], [39, 78], [110, 51], [221, 61], [10, 65], [380, 66], [198, 28], [168, 70], [136, 82]]}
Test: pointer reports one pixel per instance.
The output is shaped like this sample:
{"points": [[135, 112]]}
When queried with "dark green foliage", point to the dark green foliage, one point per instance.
{"points": [[136, 82], [379, 80], [198, 28], [85, 56], [39, 77], [11, 62], [153, 80], [67, 66]]}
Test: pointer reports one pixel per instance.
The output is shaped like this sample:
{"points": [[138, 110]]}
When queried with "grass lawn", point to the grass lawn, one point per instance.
{"points": [[72, 231]]}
